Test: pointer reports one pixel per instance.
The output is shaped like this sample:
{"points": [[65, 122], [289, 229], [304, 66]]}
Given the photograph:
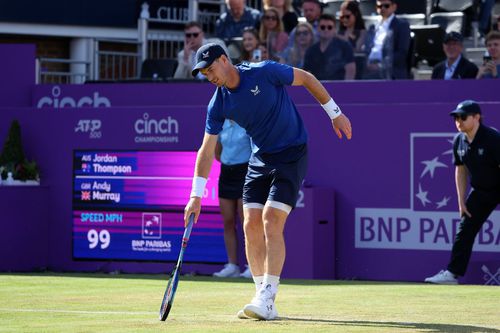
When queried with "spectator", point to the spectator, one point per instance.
{"points": [[491, 64], [484, 16], [286, 13], [272, 32], [304, 38], [264, 54], [331, 58], [250, 44], [476, 155], [311, 10], [455, 66], [387, 45], [352, 25], [233, 151], [193, 40], [235, 19]]}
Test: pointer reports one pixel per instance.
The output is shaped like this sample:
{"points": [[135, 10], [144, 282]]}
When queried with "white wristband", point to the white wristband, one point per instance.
{"points": [[198, 187], [332, 109]]}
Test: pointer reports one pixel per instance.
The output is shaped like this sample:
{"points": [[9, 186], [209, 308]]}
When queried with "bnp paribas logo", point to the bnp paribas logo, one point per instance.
{"points": [[432, 172]]}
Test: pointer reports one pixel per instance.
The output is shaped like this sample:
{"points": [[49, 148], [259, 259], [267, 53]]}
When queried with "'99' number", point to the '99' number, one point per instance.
{"points": [[95, 237]]}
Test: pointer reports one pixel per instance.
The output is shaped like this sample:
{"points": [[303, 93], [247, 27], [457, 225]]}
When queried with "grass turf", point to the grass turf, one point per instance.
{"points": [[51, 302]]}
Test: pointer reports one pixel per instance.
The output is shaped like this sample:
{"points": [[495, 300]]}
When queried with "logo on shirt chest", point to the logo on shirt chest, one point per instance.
{"points": [[480, 151], [255, 91]]}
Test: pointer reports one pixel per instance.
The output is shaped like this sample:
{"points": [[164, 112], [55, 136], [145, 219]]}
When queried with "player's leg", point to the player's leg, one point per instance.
{"points": [[228, 209], [255, 246], [289, 168]]}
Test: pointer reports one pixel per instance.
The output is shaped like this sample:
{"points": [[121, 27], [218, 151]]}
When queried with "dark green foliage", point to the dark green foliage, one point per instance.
{"points": [[12, 158]]}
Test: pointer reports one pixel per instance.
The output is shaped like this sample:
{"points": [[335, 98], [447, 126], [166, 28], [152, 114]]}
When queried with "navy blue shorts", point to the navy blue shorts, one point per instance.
{"points": [[276, 176], [231, 180]]}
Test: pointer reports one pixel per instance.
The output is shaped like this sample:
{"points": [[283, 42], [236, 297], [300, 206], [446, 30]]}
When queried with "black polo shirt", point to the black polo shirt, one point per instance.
{"points": [[481, 157]]}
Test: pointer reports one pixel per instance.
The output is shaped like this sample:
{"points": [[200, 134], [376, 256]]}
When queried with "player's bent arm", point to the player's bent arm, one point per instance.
{"points": [[311, 83], [340, 122], [204, 160]]}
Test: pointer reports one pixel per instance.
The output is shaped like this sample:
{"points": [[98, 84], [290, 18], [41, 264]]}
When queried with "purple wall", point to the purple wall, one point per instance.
{"points": [[383, 231], [17, 62]]}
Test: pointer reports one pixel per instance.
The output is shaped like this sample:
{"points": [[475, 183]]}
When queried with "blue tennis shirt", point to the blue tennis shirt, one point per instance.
{"points": [[235, 144], [261, 105]]}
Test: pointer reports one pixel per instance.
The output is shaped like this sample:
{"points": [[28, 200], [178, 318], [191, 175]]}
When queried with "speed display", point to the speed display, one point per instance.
{"points": [[128, 205]]}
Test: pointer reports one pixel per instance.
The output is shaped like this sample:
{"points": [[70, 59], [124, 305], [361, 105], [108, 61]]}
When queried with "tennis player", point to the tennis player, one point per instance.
{"points": [[254, 96]]}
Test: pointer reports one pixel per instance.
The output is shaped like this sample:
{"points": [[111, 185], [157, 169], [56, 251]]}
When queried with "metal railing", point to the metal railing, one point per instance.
{"points": [[119, 59], [111, 64], [62, 71]]}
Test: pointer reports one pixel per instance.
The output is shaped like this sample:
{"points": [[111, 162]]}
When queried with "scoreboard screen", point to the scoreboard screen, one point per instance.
{"points": [[128, 205]]}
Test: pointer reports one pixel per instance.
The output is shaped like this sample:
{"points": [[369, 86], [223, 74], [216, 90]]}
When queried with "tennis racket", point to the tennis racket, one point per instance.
{"points": [[168, 297]]}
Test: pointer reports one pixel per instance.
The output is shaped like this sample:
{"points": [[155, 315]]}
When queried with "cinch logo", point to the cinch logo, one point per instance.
{"points": [[58, 102], [153, 126]]}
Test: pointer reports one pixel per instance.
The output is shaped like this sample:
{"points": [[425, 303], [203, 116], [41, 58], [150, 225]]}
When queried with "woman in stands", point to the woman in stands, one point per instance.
{"points": [[303, 39], [286, 13], [352, 25], [272, 32], [250, 45]]}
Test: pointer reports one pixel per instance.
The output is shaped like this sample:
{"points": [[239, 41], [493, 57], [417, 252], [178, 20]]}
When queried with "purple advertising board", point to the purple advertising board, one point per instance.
{"points": [[395, 204]]}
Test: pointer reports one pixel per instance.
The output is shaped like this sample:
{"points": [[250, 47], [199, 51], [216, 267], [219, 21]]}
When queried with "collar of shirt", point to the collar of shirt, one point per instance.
{"points": [[451, 69]]}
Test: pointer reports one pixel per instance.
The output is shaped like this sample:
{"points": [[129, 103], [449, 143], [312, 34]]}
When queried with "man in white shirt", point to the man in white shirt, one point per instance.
{"points": [[388, 45]]}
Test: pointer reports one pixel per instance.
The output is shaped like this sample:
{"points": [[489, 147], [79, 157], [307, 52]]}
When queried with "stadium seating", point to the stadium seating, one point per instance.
{"points": [[453, 21]]}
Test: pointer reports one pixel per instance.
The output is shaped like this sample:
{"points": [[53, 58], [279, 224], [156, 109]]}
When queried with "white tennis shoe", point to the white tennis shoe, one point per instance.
{"points": [[229, 270], [247, 274], [262, 306], [241, 315], [443, 277]]}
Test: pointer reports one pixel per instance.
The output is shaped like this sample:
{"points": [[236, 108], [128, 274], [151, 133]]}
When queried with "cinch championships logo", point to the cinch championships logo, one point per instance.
{"points": [[163, 130]]}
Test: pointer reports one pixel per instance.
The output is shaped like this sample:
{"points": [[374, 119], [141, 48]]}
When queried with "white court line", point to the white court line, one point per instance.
{"points": [[79, 311]]}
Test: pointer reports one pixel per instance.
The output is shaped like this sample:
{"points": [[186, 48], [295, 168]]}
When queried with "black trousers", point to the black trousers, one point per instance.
{"points": [[480, 205]]}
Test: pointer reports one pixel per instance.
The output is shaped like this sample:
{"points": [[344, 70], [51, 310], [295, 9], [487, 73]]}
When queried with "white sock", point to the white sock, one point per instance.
{"points": [[273, 280], [258, 281]]}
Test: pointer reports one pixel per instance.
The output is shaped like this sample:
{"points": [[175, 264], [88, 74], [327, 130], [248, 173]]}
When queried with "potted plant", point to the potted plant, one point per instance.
{"points": [[15, 169]]}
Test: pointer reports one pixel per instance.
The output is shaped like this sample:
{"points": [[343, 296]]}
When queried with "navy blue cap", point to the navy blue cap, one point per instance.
{"points": [[453, 36], [466, 107], [206, 55]]}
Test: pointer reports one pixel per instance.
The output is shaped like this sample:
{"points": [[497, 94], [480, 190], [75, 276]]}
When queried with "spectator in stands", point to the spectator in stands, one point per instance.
{"points": [[311, 10], [264, 54], [193, 40], [352, 25], [491, 65], [455, 66], [484, 15], [235, 19], [233, 150], [272, 32], [286, 13], [387, 45], [331, 58], [251, 43], [304, 38]]}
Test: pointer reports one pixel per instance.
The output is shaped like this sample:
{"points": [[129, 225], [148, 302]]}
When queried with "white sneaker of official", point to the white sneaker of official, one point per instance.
{"points": [[443, 277], [247, 274], [229, 270], [262, 306]]}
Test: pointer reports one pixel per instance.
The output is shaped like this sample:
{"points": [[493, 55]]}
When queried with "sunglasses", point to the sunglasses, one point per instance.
{"points": [[302, 33], [191, 34], [348, 16], [462, 117], [270, 18], [385, 5], [324, 27]]}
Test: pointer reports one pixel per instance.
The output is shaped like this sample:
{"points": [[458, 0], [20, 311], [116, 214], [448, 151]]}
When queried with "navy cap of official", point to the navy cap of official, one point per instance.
{"points": [[466, 107], [453, 36], [206, 55]]}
